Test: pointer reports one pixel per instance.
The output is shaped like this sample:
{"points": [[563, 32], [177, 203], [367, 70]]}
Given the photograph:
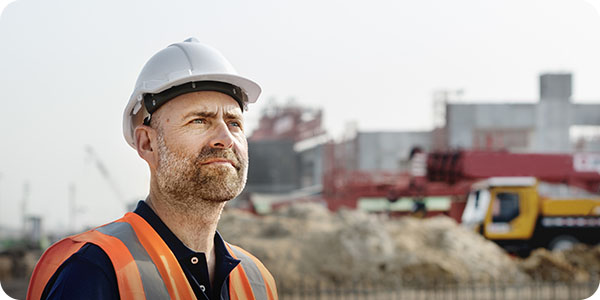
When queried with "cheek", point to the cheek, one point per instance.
{"points": [[241, 146]]}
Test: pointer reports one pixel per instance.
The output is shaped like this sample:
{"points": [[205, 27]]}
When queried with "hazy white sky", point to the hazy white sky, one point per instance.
{"points": [[67, 68]]}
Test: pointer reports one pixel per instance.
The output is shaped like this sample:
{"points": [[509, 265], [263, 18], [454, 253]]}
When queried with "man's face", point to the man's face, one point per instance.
{"points": [[202, 148]]}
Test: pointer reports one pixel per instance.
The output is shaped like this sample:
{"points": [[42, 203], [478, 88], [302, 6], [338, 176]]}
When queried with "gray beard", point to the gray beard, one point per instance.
{"points": [[186, 181]]}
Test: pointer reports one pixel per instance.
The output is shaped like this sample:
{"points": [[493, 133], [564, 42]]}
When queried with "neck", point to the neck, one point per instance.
{"points": [[193, 221]]}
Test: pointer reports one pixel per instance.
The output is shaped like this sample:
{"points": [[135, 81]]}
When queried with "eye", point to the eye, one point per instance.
{"points": [[235, 124], [199, 121]]}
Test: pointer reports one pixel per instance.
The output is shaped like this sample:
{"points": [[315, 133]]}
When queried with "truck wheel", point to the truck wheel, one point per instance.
{"points": [[562, 242]]}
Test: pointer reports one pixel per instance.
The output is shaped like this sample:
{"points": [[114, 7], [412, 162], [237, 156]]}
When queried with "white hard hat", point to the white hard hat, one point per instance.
{"points": [[188, 62]]}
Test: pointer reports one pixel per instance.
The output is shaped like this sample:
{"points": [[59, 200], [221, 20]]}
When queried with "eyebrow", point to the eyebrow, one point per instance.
{"points": [[205, 114], [230, 115]]}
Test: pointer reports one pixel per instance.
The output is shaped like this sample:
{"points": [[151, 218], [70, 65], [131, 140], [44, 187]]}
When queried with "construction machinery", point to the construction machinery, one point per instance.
{"points": [[523, 213], [457, 171], [456, 167], [519, 200]]}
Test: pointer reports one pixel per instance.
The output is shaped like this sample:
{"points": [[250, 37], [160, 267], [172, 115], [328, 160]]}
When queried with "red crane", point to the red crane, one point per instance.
{"points": [[452, 173]]}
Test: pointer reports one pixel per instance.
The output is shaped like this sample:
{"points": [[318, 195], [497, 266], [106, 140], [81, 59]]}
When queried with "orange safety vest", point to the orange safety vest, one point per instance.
{"points": [[146, 268]]}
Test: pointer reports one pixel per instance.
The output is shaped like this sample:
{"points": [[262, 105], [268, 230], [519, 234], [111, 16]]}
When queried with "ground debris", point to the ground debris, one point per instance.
{"points": [[306, 242], [574, 265]]}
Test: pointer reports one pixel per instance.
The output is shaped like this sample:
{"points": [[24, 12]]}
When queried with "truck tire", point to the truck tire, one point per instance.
{"points": [[562, 242]]}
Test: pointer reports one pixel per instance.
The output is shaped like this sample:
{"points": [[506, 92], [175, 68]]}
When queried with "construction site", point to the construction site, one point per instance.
{"points": [[498, 201]]}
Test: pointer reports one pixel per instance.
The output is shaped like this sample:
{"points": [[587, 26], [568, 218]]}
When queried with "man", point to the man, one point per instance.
{"points": [[185, 120]]}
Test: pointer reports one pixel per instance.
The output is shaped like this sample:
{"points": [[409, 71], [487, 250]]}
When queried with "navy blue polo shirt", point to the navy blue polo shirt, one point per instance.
{"points": [[89, 273]]}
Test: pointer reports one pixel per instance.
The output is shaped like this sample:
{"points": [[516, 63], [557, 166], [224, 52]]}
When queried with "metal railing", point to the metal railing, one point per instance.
{"points": [[464, 291]]}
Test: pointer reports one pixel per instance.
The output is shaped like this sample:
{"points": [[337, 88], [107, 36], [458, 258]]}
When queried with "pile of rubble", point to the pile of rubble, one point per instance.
{"points": [[6, 267], [17, 263], [306, 242], [581, 263]]}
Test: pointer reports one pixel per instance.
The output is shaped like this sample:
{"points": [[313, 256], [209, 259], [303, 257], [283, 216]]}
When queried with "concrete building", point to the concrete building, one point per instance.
{"points": [[542, 127], [273, 166], [382, 151], [286, 151], [289, 149], [311, 154]]}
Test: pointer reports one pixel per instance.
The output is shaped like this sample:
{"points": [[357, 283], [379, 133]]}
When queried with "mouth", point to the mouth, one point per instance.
{"points": [[218, 161]]}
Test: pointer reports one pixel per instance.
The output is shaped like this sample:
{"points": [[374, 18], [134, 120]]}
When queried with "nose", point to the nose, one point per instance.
{"points": [[222, 137]]}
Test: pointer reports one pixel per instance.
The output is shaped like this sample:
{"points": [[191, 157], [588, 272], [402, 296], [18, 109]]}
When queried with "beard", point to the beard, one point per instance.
{"points": [[186, 180]]}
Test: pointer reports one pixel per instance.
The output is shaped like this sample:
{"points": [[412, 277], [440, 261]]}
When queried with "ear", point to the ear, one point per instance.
{"points": [[145, 142]]}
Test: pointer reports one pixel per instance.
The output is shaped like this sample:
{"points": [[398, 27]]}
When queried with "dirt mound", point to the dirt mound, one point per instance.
{"points": [[306, 242], [579, 264], [6, 266], [585, 257], [452, 252], [552, 266]]}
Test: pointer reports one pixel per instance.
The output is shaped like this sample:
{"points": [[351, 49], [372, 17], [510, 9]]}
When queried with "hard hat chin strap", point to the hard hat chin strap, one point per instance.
{"points": [[154, 101]]}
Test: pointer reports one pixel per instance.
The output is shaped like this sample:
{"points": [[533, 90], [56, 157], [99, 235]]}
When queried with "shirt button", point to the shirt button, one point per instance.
{"points": [[202, 288], [194, 260]]}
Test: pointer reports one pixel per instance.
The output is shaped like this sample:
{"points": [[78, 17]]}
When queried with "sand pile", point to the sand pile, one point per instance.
{"points": [[306, 242], [439, 249], [586, 258], [6, 266], [578, 264]]}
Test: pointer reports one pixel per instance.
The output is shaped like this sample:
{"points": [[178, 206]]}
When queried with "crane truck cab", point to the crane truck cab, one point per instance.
{"points": [[522, 213]]}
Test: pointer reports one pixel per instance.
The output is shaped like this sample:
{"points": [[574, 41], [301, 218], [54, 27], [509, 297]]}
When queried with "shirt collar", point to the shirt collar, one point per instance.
{"points": [[180, 250]]}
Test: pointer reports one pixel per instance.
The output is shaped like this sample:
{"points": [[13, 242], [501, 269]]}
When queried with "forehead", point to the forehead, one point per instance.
{"points": [[204, 101]]}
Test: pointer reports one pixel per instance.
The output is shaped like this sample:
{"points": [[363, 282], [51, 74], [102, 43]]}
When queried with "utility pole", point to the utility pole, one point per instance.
{"points": [[440, 102], [72, 207], [440, 116], [24, 207]]}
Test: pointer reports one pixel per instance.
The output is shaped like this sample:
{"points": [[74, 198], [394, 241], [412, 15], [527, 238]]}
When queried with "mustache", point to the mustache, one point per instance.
{"points": [[228, 154]]}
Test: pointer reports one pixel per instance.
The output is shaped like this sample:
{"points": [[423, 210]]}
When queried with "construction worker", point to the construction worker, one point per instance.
{"points": [[185, 120]]}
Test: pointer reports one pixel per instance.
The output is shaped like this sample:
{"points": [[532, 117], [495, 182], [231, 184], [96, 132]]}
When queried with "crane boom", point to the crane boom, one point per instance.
{"points": [[105, 174]]}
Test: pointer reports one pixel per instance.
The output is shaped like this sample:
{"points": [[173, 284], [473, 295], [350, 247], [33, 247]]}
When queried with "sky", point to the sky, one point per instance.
{"points": [[67, 68]]}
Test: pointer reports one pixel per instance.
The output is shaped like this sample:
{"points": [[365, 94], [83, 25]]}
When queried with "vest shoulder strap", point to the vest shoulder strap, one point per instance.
{"points": [[250, 279], [144, 265], [58, 253], [50, 261], [164, 260]]}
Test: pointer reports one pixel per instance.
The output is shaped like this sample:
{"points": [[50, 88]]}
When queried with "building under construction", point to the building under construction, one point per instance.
{"points": [[542, 127], [291, 151]]}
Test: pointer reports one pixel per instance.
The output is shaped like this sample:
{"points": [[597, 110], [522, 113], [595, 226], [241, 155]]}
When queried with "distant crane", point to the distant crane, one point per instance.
{"points": [[104, 172]]}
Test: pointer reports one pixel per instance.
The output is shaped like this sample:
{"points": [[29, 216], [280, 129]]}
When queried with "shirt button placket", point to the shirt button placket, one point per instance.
{"points": [[194, 261]]}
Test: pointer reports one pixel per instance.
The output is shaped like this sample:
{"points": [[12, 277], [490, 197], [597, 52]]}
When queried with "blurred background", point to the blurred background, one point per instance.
{"points": [[401, 137]]}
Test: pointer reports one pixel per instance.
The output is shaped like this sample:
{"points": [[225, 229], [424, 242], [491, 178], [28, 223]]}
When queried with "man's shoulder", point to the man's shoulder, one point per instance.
{"points": [[93, 256], [241, 253], [88, 274], [254, 267], [247, 257]]}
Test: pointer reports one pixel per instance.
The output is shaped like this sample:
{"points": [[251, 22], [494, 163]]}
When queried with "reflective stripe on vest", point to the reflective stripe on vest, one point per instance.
{"points": [[257, 284], [260, 283], [128, 276], [162, 257], [153, 284]]}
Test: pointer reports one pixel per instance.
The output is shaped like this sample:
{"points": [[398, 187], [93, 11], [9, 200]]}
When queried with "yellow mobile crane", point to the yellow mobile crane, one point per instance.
{"points": [[523, 213]]}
